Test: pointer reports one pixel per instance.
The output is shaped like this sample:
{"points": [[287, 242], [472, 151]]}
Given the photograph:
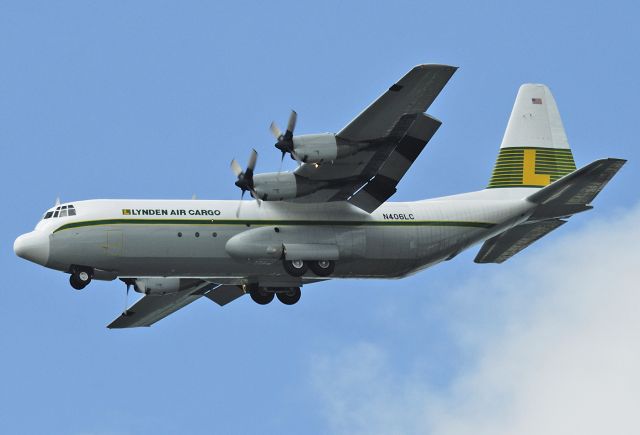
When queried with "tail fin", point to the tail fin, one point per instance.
{"points": [[534, 150]]}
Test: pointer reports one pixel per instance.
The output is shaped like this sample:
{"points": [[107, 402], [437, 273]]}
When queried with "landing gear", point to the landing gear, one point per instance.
{"points": [[261, 296], [322, 267], [295, 267], [79, 279], [289, 296], [286, 295]]}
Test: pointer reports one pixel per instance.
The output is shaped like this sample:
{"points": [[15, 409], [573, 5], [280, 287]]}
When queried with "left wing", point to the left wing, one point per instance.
{"points": [[151, 309]]}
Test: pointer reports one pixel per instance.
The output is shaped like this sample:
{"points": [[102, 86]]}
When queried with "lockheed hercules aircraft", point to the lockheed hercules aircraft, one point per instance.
{"points": [[330, 217]]}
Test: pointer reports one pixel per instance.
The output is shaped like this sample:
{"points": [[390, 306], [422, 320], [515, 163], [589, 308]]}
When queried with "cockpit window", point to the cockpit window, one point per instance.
{"points": [[61, 211]]}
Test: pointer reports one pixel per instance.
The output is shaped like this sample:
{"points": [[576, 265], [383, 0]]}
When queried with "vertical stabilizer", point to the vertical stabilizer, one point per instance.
{"points": [[534, 150]]}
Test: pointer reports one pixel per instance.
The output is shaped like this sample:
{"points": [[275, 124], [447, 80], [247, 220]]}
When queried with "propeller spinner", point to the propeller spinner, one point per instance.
{"points": [[285, 140]]}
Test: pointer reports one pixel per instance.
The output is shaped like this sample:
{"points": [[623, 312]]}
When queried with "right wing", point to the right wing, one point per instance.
{"points": [[412, 94], [151, 309]]}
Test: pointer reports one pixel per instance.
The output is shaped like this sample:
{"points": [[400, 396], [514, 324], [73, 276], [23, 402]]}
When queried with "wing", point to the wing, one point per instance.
{"points": [[388, 136], [150, 309], [412, 94]]}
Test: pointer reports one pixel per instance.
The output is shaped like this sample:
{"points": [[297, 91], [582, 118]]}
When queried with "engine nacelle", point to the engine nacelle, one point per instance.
{"points": [[276, 186], [316, 148], [157, 286]]}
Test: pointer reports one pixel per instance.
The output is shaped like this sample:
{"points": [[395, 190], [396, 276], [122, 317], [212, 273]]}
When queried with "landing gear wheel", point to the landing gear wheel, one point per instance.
{"points": [[80, 280], [262, 297], [295, 267], [322, 267], [290, 296]]}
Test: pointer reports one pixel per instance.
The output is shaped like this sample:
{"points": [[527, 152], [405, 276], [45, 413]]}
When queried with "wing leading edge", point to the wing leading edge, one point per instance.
{"points": [[412, 94]]}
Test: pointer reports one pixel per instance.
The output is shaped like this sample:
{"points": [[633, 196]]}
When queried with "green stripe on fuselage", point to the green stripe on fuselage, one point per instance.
{"points": [[256, 222]]}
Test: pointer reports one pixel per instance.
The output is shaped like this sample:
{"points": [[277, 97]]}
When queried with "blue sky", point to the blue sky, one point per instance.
{"points": [[152, 99]]}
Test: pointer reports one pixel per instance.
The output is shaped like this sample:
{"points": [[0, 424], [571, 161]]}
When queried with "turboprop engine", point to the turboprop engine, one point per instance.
{"points": [[276, 186], [310, 148], [272, 186]]}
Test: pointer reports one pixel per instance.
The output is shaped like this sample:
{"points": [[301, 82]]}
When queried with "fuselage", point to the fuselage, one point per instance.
{"points": [[191, 238]]}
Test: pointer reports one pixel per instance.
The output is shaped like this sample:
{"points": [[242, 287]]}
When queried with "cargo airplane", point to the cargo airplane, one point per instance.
{"points": [[329, 218]]}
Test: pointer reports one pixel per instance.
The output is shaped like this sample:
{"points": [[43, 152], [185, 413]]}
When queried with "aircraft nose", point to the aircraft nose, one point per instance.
{"points": [[33, 246]]}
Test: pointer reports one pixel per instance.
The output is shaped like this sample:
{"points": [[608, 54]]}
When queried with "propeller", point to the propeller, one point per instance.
{"points": [[285, 140], [245, 178]]}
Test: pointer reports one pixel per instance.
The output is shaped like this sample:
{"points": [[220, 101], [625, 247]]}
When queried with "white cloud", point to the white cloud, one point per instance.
{"points": [[559, 352]]}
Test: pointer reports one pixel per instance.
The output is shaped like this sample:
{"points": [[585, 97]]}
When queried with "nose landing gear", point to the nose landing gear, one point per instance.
{"points": [[80, 278]]}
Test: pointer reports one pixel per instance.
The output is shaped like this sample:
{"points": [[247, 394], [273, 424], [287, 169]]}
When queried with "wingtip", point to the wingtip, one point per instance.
{"points": [[436, 65]]}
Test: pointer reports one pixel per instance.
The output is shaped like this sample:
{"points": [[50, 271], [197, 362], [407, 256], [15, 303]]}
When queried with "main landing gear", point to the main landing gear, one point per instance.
{"points": [[287, 296], [80, 278], [319, 267]]}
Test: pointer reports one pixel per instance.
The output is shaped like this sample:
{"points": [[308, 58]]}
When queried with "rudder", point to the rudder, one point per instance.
{"points": [[534, 151]]}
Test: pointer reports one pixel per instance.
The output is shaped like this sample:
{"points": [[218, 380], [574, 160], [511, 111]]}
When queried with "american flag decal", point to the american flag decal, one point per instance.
{"points": [[536, 100]]}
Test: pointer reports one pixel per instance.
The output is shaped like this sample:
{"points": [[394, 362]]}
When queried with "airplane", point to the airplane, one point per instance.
{"points": [[330, 218]]}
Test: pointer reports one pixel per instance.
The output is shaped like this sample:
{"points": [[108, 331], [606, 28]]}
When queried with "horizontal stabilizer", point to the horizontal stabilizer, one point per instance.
{"points": [[505, 245], [574, 192]]}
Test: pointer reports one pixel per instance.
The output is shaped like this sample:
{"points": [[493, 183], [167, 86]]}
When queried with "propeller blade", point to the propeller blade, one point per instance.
{"points": [[253, 158], [255, 195], [126, 301], [275, 131], [236, 168], [240, 204], [291, 125], [296, 158]]}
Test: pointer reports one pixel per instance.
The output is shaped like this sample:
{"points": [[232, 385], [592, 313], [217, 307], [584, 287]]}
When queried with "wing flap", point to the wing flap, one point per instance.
{"points": [[413, 93], [500, 248], [383, 185], [224, 294]]}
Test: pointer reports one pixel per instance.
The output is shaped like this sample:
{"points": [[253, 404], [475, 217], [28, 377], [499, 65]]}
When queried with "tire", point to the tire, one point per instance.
{"points": [[261, 296], [75, 282], [290, 296], [322, 267], [295, 267]]}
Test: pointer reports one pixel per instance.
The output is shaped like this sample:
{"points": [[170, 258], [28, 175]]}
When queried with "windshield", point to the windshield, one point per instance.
{"points": [[60, 211]]}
